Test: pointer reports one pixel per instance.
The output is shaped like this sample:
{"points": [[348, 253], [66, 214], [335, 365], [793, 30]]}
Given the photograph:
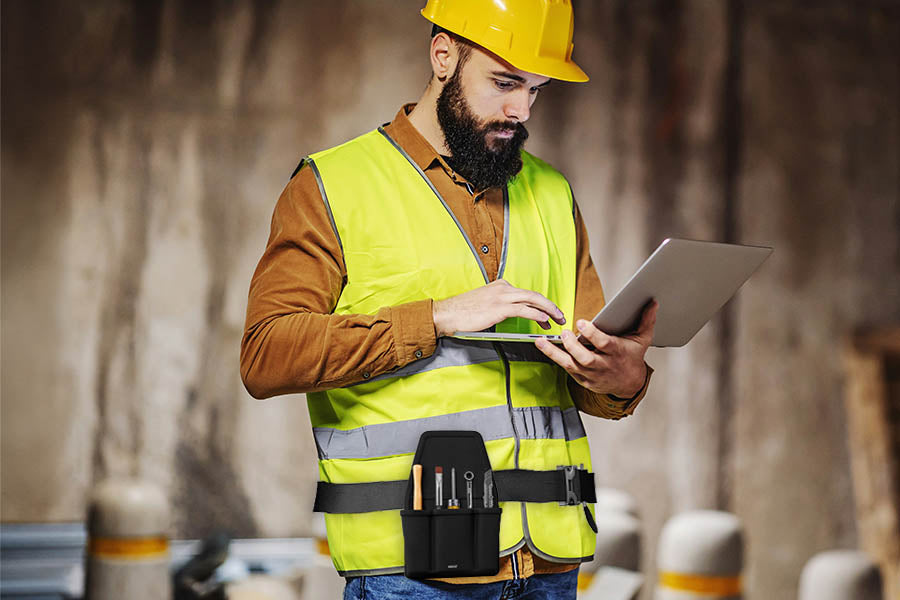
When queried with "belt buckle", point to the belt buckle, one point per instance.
{"points": [[573, 484]]}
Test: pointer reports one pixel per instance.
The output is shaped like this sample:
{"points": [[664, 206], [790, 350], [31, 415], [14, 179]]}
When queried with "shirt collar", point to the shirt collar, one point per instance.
{"points": [[417, 147], [408, 137]]}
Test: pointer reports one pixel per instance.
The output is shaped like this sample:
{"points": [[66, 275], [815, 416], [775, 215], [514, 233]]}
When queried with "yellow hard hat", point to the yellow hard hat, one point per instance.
{"points": [[531, 35]]}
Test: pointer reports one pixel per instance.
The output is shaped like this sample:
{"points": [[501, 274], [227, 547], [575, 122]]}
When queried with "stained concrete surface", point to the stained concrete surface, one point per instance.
{"points": [[144, 146]]}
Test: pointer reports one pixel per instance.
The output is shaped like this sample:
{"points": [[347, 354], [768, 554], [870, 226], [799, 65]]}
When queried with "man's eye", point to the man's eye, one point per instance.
{"points": [[504, 85]]}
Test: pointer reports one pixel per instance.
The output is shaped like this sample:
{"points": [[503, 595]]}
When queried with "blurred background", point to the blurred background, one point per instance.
{"points": [[144, 145]]}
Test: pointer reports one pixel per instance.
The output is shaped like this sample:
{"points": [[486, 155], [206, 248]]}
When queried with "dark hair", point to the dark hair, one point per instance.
{"points": [[464, 46]]}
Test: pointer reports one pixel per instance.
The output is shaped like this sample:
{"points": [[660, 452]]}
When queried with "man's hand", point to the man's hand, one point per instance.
{"points": [[488, 305], [615, 365]]}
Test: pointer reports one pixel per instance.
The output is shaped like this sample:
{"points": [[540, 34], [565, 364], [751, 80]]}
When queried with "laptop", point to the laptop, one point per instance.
{"points": [[690, 279]]}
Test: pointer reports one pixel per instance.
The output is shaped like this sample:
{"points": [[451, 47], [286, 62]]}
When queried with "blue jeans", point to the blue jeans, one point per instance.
{"points": [[551, 586]]}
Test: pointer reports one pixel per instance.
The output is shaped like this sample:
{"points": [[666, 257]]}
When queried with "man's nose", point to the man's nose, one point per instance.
{"points": [[518, 106]]}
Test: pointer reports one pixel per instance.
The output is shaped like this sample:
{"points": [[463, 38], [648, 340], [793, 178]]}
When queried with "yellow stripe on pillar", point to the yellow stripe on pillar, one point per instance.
{"points": [[128, 548], [584, 581], [701, 584], [322, 547]]}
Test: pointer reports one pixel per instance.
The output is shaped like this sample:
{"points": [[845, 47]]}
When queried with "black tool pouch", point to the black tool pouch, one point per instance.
{"points": [[451, 542]]}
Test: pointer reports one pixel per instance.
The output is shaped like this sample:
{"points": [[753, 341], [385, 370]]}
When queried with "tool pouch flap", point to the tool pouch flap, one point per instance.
{"points": [[457, 531]]}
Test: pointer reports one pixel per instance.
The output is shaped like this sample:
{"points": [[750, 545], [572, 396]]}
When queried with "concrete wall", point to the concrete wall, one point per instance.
{"points": [[144, 146]]}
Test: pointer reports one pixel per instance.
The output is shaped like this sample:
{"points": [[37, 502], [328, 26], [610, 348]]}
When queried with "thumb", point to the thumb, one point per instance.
{"points": [[644, 333]]}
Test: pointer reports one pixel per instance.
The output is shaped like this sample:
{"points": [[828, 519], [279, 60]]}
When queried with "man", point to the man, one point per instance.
{"points": [[438, 222]]}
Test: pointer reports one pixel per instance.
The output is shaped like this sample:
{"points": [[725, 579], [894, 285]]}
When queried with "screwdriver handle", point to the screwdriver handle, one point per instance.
{"points": [[417, 487]]}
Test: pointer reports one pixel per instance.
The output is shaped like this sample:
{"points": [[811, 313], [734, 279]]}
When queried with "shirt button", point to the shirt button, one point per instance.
{"points": [[485, 249], [366, 375], [418, 354]]}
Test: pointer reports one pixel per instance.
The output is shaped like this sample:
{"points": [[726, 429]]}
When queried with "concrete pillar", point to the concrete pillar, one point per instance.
{"points": [[700, 557], [840, 575], [128, 545]]}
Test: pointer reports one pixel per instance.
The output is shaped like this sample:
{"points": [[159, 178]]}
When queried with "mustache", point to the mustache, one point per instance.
{"points": [[517, 128]]}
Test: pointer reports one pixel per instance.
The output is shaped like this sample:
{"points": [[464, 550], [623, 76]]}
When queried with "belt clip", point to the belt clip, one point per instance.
{"points": [[573, 484]]}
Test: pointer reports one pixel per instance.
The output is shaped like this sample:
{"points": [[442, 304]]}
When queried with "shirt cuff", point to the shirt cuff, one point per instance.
{"points": [[413, 327], [607, 406]]}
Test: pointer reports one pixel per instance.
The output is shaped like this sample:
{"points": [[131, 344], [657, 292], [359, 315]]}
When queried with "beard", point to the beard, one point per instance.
{"points": [[484, 164]]}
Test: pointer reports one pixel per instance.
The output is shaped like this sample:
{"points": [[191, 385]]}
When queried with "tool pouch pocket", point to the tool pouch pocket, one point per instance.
{"points": [[442, 541]]}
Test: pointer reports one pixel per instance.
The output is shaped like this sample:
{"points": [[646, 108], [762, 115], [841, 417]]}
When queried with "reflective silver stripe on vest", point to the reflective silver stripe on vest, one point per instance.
{"points": [[402, 437], [451, 352], [321, 185]]}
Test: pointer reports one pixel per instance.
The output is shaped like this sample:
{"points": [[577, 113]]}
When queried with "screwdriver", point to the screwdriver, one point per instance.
{"points": [[454, 502]]}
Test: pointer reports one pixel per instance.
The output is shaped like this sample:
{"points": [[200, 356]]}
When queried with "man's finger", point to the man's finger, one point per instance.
{"points": [[577, 351], [539, 302], [599, 340], [554, 353], [526, 312]]}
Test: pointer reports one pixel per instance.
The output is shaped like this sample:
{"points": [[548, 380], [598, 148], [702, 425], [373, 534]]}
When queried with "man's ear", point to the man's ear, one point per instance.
{"points": [[443, 56]]}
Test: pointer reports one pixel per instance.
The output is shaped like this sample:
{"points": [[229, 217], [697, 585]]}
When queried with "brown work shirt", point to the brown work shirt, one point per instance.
{"points": [[293, 343]]}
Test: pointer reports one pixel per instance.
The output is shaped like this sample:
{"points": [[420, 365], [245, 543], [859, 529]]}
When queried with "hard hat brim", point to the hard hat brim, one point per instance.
{"points": [[555, 68]]}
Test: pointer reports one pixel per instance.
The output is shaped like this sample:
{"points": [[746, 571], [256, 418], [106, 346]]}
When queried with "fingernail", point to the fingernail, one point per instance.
{"points": [[582, 323]]}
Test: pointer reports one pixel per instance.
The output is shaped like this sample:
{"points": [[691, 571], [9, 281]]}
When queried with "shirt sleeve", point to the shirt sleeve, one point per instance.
{"points": [[589, 300], [292, 341]]}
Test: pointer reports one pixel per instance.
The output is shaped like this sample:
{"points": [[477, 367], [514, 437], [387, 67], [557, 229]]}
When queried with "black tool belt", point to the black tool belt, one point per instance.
{"points": [[449, 504], [565, 485]]}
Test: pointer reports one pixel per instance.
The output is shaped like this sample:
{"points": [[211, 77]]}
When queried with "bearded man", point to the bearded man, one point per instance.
{"points": [[438, 222]]}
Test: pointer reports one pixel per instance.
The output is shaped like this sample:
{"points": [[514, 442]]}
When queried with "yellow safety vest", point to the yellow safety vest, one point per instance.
{"points": [[401, 243]]}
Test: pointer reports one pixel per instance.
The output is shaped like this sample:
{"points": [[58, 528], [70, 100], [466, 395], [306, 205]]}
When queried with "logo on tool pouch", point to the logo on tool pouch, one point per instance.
{"points": [[452, 566]]}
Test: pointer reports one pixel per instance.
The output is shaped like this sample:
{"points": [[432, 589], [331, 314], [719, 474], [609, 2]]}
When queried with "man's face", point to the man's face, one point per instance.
{"points": [[481, 110]]}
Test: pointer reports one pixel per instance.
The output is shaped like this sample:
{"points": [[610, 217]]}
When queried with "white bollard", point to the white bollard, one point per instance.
{"points": [[840, 575], [700, 557], [613, 500], [614, 572], [128, 545], [618, 541]]}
